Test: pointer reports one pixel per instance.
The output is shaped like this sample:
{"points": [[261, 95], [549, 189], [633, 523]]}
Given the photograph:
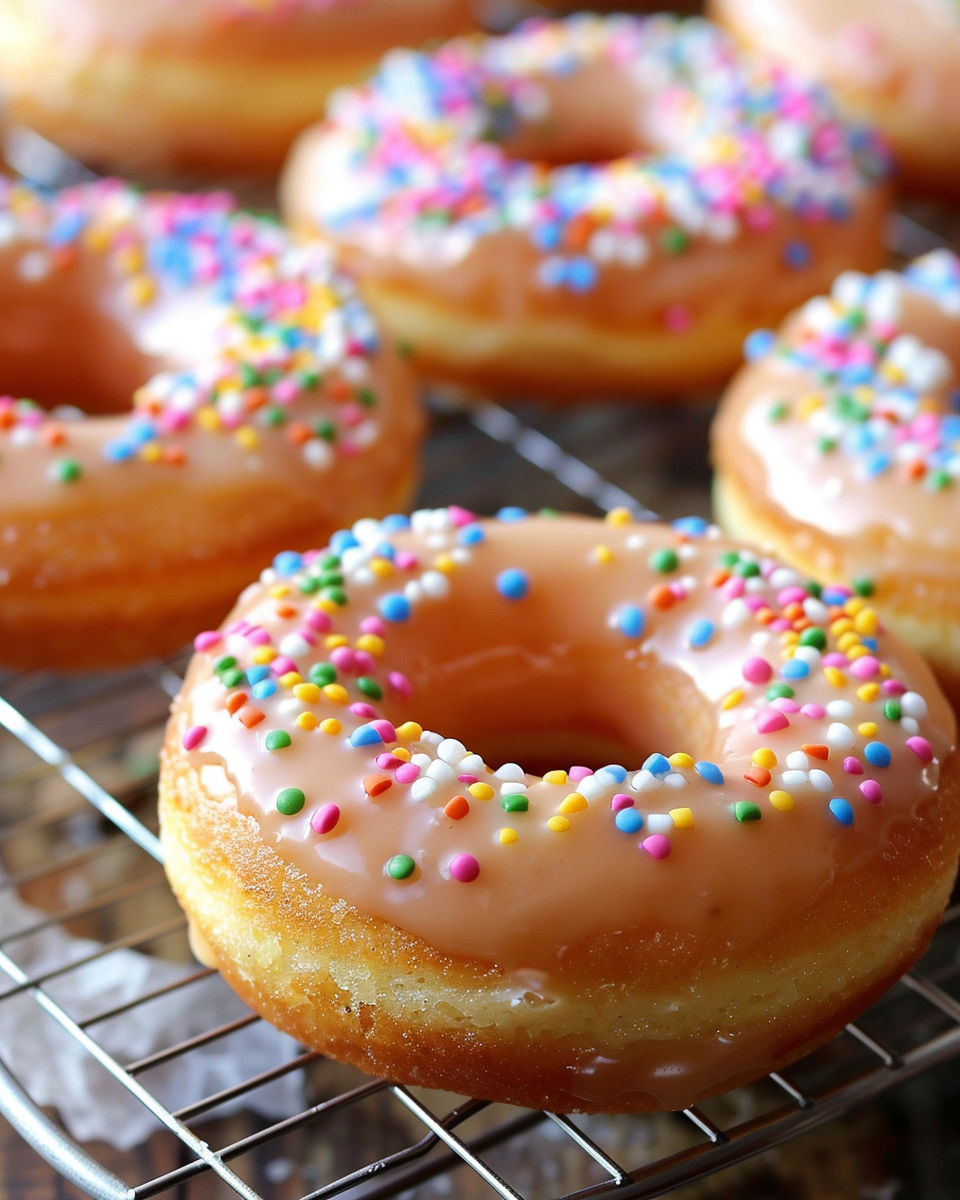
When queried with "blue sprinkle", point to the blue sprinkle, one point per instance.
{"points": [[612, 773], [581, 274], [394, 607], [710, 772], [394, 522], [795, 668], [366, 735], [263, 689], [797, 255], [385, 550], [835, 595], [552, 272], [877, 754], [656, 764], [700, 633], [511, 513], [255, 674], [287, 562], [628, 820], [841, 810], [877, 463], [758, 344], [342, 540], [471, 535], [546, 235], [870, 643], [118, 450], [630, 621], [691, 526], [513, 584]]}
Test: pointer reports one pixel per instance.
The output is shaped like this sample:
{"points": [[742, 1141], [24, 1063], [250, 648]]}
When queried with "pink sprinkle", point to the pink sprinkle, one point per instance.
{"points": [[893, 687], [238, 627], [657, 845], [373, 625], [865, 667], [872, 791], [362, 709], [408, 773], [757, 670], [791, 595], [389, 762], [852, 765], [677, 318], [816, 712], [467, 779], [678, 591], [320, 621], [344, 659], [575, 774], [257, 636], [206, 641], [405, 561], [836, 659], [770, 720], [285, 390], [921, 748], [282, 665], [194, 736], [621, 800], [364, 662], [400, 683], [464, 868], [780, 625], [460, 516], [325, 818], [385, 729], [755, 603], [785, 705], [734, 588]]}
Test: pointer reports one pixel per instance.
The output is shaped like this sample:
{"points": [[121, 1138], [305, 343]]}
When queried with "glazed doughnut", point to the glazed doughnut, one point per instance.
{"points": [[210, 394], [837, 446], [892, 62], [776, 852], [205, 86], [586, 206]]}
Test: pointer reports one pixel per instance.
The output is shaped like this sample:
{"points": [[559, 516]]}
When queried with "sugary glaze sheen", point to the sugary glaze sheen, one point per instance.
{"points": [[161, 87], [620, 938], [837, 446], [212, 394], [587, 206], [892, 62]]}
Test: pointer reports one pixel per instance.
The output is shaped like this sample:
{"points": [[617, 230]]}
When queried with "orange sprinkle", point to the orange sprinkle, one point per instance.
{"points": [[661, 596], [339, 389], [758, 776], [298, 433], [285, 611], [174, 456], [375, 785], [250, 716], [254, 398], [815, 750], [718, 578], [457, 808], [235, 701], [53, 435]]}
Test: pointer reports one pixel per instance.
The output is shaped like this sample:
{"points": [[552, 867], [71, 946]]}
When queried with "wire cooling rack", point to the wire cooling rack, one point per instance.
{"points": [[78, 844]]}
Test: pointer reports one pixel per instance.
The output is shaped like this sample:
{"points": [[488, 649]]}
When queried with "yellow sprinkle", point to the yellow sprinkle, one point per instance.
{"points": [[309, 693], [683, 761], [885, 671], [868, 691], [858, 651], [835, 677], [444, 563], [409, 731], [555, 777], [337, 693], [151, 452], [263, 655], [854, 605], [307, 721], [867, 729], [867, 622], [764, 758], [558, 824], [848, 639], [381, 567], [401, 752], [619, 517], [291, 679], [840, 626], [732, 700], [208, 418], [330, 725], [279, 590], [809, 404], [247, 438], [789, 637], [603, 554], [481, 791], [781, 800], [327, 606], [371, 643], [573, 803], [682, 818], [507, 836], [129, 258], [141, 290], [334, 640]]}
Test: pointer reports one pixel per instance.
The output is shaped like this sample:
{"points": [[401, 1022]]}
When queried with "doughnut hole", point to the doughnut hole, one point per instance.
{"points": [[60, 343]]}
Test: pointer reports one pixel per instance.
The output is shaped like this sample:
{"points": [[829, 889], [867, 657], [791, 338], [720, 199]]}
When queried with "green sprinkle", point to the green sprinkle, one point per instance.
{"points": [[405, 349], [815, 637], [309, 585], [780, 691], [225, 663], [370, 687], [326, 430], [813, 588], [746, 810], [864, 586], [323, 673], [336, 594], [277, 739], [514, 803], [249, 375], [826, 445], [664, 561], [367, 397], [938, 480], [891, 710], [290, 801], [747, 569], [729, 559], [548, 512], [331, 579], [67, 470], [779, 411], [232, 678], [274, 416], [401, 866], [330, 563], [674, 240]]}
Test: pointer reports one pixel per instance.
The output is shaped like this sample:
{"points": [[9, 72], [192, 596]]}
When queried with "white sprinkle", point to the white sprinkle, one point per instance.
{"points": [[821, 780], [511, 772], [513, 789], [815, 610], [34, 266], [645, 781], [317, 453], [840, 736], [910, 726], [413, 591], [659, 822], [734, 614], [422, 788], [294, 645], [430, 739], [675, 780], [451, 751], [808, 654], [473, 764], [591, 787], [435, 584], [793, 779], [840, 710], [421, 760], [912, 704], [798, 761]]}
